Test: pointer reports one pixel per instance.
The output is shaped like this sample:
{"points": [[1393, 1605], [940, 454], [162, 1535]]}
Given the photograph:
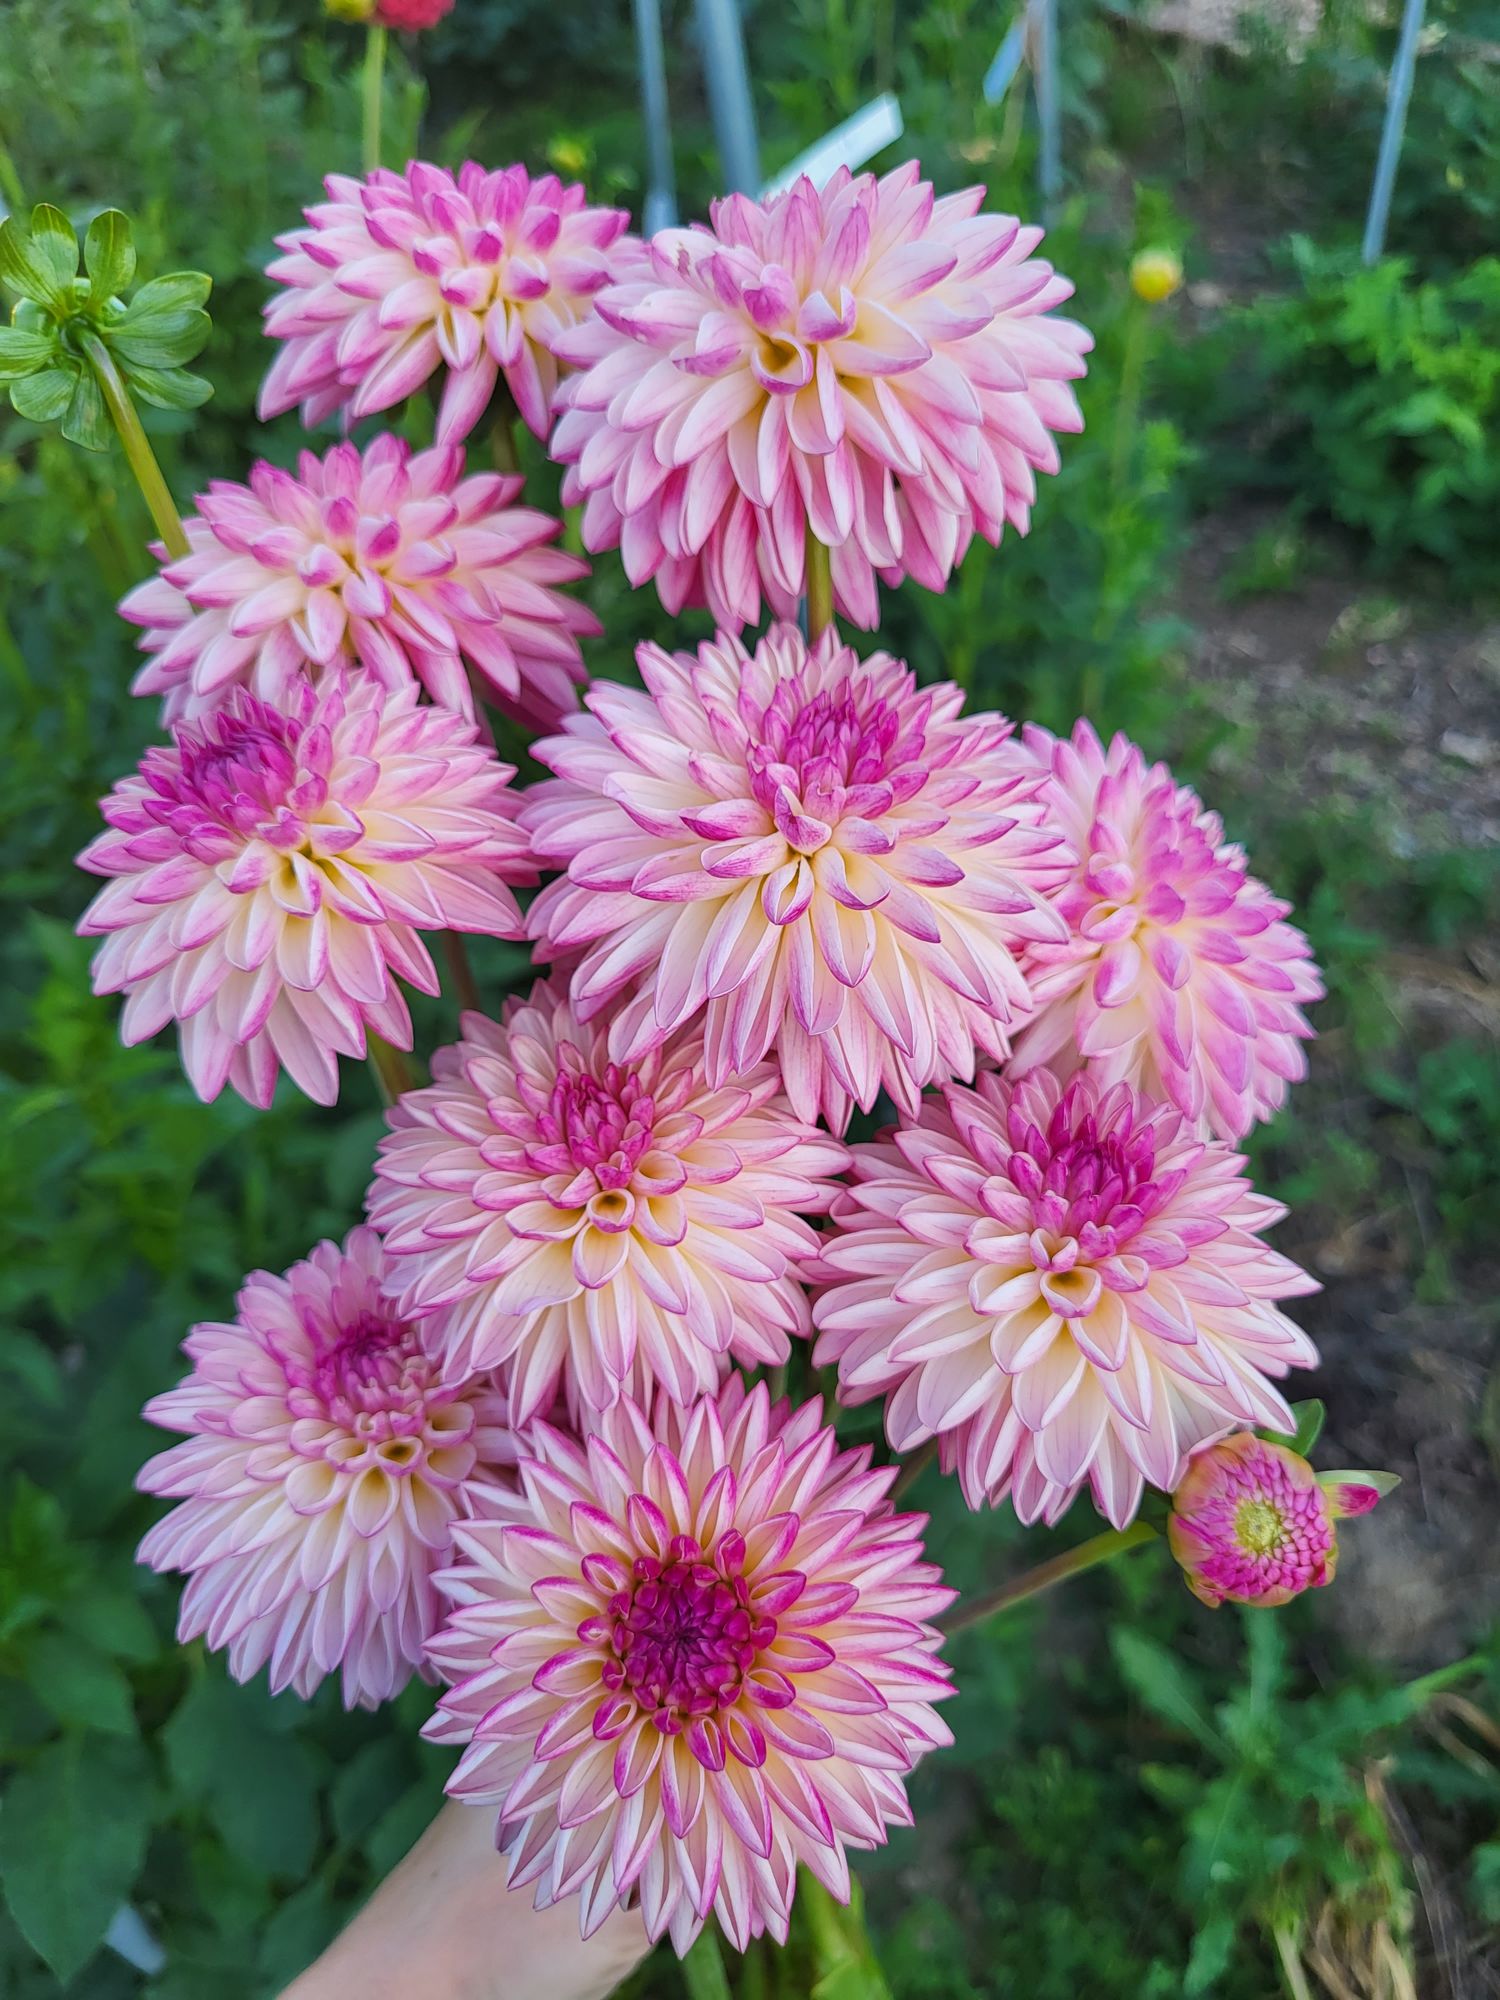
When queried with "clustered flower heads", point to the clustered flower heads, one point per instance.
{"points": [[325, 1460], [388, 561], [506, 1435], [1063, 1285], [272, 868], [692, 1653], [403, 274], [864, 361], [596, 1227], [1177, 972], [807, 848]]}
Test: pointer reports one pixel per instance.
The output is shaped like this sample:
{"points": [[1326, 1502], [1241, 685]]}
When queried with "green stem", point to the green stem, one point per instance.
{"points": [[819, 587], [1100, 1549], [10, 184], [913, 1468], [464, 983], [392, 1077], [703, 1971], [142, 459], [1128, 397], [502, 434], [372, 92]]}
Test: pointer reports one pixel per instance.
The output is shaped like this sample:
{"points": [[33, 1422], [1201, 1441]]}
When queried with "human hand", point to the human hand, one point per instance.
{"points": [[443, 1925]]}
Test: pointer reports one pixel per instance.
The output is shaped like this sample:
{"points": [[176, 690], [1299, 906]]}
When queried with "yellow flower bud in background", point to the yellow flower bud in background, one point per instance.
{"points": [[349, 10], [1155, 275], [569, 156]]}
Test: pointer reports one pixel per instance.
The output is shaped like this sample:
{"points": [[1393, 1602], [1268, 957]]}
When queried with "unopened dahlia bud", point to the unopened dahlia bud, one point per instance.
{"points": [[1252, 1523], [1155, 275], [350, 10]]}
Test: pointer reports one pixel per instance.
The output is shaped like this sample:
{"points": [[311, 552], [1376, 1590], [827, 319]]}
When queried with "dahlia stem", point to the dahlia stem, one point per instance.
{"points": [[1128, 395], [464, 983], [703, 1971], [141, 458], [913, 1468], [503, 436], [819, 586], [1100, 1549], [371, 95], [392, 1077]]}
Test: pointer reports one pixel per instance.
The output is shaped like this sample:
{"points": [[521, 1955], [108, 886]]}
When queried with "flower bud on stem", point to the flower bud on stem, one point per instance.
{"points": [[1098, 1549], [138, 452]]}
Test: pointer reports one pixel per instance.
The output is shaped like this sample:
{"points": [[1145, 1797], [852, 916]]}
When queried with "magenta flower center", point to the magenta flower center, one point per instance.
{"points": [[814, 762], [238, 771], [683, 1634], [1091, 1189], [372, 1382], [601, 1124]]}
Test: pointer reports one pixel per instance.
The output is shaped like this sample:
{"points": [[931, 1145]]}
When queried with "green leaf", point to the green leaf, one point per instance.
{"points": [[1309, 1415], [169, 388], [73, 1829], [1209, 1959], [86, 420], [1163, 1685], [113, 1620], [43, 397], [366, 1785], [22, 352], [259, 1789], [168, 341], [21, 269], [108, 255], [180, 291], [55, 242], [79, 1685]]}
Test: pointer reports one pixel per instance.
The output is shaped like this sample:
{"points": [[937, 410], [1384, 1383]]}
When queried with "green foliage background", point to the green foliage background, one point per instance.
{"points": [[1144, 1800]]}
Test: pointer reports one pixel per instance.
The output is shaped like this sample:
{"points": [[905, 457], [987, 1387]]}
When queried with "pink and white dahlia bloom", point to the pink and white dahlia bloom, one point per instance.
{"points": [[384, 560], [687, 1657], [597, 1226], [324, 1463], [401, 274], [271, 872], [1179, 974], [1252, 1523], [864, 361], [832, 861], [1064, 1285]]}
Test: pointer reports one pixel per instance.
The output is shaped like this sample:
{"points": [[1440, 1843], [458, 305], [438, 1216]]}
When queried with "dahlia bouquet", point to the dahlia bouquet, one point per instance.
{"points": [[555, 1426]]}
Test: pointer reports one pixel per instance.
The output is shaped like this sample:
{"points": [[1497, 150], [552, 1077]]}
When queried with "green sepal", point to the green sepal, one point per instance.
{"points": [[54, 241], [86, 420], [26, 270], [167, 340], [169, 388], [108, 256], [23, 352], [176, 291], [41, 398]]}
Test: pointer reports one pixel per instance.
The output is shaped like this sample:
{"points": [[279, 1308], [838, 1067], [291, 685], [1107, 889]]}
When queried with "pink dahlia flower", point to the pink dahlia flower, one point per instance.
{"points": [[410, 16], [271, 872], [324, 1463], [864, 362], [1064, 1286], [1179, 974], [385, 560], [1252, 1523], [688, 1657], [399, 275], [594, 1225], [829, 859]]}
